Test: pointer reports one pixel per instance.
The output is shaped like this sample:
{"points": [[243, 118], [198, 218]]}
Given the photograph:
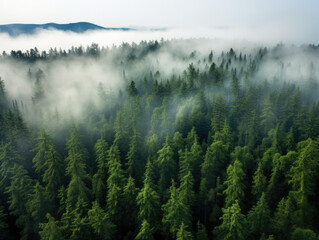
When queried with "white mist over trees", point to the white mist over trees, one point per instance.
{"points": [[160, 140]]}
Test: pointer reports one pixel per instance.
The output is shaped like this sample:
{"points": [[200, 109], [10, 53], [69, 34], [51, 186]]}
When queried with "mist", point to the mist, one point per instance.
{"points": [[74, 86]]}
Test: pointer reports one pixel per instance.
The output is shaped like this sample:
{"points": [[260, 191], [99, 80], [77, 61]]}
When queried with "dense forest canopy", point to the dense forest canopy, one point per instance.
{"points": [[160, 140]]}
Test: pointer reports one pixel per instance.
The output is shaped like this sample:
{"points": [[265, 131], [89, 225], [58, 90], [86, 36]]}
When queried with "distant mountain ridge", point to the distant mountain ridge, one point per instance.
{"points": [[79, 27]]}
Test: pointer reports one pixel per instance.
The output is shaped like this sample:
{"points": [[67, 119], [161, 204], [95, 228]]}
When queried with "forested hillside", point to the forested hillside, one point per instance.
{"points": [[160, 140]]}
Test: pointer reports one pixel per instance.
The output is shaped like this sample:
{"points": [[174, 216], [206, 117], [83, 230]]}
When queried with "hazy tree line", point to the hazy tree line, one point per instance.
{"points": [[211, 153]]}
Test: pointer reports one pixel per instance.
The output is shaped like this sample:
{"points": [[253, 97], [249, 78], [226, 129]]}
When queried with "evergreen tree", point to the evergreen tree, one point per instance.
{"points": [[259, 217], [99, 178], [18, 191], [305, 234], [235, 187], [175, 211], [183, 234], [303, 178], [76, 169], [283, 218], [38, 206], [100, 222], [146, 232], [148, 199], [259, 182], [167, 167], [129, 205], [8, 158], [134, 158], [50, 230], [234, 225]]}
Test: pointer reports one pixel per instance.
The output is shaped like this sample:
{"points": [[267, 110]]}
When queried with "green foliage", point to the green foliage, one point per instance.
{"points": [[166, 165], [146, 232], [303, 176], [148, 199], [259, 217], [232, 140], [100, 222], [235, 186], [234, 224], [259, 181], [176, 211], [183, 234], [51, 230], [99, 178], [305, 234], [76, 169]]}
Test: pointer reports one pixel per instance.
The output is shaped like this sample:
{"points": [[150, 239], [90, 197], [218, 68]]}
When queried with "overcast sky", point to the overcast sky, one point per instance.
{"points": [[292, 18]]}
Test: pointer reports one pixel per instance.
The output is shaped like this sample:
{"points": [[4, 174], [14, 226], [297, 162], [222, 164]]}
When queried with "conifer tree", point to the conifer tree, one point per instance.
{"points": [[8, 158], [283, 218], [44, 142], [259, 182], [146, 232], [167, 167], [38, 206], [175, 211], [183, 233], [134, 158], [18, 191], [234, 224], [99, 178], [76, 169], [129, 205], [148, 200], [259, 217], [303, 178], [51, 229], [235, 187], [100, 222]]}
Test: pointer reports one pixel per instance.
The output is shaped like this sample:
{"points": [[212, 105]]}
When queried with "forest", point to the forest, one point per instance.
{"points": [[171, 139]]}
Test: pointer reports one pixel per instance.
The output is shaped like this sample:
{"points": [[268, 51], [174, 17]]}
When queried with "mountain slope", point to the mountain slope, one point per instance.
{"points": [[79, 27]]}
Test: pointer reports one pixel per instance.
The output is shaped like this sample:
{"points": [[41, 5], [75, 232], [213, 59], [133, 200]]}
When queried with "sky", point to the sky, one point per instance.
{"points": [[286, 19]]}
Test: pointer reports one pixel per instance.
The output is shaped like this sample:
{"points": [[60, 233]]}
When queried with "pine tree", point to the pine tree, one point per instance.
{"points": [[146, 232], [38, 205], [134, 158], [43, 143], [50, 230], [100, 222], [219, 114], [129, 205], [283, 218], [235, 187], [167, 167], [186, 191], [8, 158], [148, 200], [18, 191], [183, 234], [99, 178], [303, 178], [234, 225], [175, 211], [76, 169], [53, 172], [259, 217], [259, 182], [214, 162], [305, 234]]}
